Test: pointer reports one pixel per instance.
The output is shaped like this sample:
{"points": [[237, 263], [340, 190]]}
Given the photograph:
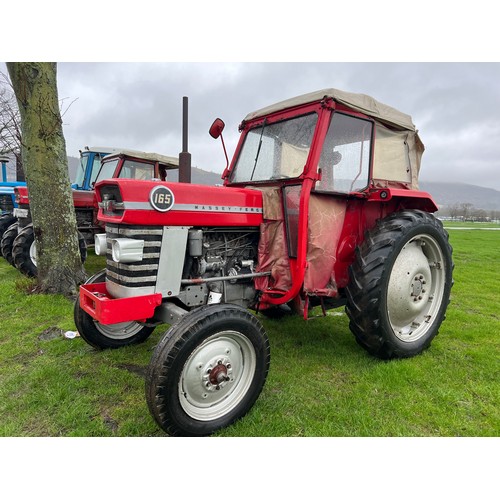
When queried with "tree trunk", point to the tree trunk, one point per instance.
{"points": [[19, 169], [45, 163]]}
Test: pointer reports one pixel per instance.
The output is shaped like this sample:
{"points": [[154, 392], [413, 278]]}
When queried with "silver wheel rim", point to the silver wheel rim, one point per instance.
{"points": [[119, 331], [33, 256], [217, 375], [416, 288]]}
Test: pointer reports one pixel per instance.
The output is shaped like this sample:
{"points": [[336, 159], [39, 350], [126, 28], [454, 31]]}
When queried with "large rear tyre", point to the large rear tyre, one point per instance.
{"points": [[6, 220], [24, 252], [7, 242], [207, 371], [400, 284], [108, 336]]}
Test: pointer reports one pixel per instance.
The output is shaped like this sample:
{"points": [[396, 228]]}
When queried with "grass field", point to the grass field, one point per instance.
{"points": [[321, 383]]}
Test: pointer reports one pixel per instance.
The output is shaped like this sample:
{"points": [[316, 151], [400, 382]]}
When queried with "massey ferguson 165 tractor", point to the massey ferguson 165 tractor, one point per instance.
{"points": [[320, 206]]}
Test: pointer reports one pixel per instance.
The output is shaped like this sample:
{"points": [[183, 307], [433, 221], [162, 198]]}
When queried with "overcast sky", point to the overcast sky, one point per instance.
{"points": [[455, 106]]}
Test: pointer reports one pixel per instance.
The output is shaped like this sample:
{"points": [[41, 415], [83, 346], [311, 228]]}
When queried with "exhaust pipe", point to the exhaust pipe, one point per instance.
{"points": [[184, 156]]}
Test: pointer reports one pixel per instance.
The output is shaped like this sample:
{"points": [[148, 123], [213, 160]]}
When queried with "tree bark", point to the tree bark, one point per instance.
{"points": [[45, 163]]}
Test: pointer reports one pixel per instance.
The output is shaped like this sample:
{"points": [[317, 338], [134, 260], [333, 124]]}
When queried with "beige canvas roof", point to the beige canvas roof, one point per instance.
{"points": [[359, 102], [169, 161]]}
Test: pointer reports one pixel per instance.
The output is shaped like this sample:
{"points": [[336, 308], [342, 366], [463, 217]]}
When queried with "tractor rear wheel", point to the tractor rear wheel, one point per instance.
{"points": [[8, 238], [399, 286], [24, 252], [6, 221], [207, 370], [108, 336]]}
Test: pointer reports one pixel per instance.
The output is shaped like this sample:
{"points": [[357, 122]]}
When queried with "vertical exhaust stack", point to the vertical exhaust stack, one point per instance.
{"points": [[184, 156]]}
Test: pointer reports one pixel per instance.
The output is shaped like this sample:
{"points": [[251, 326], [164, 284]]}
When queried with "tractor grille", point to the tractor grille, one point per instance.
{"points": [[135, 274], [6, 204]]}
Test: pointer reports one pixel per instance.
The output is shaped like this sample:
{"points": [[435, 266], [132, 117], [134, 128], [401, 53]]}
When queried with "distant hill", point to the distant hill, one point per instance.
{"points": [[451, 193], [444, 193]]}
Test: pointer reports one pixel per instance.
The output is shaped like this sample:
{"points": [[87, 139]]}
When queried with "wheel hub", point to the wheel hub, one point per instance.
{"points": [[417, 287], [217, 374]]}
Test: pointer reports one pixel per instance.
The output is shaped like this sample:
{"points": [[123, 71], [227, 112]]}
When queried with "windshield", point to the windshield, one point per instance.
{"points": [[275, 151], [80, 173], [107, 170], [130, 169], [96, 166]]}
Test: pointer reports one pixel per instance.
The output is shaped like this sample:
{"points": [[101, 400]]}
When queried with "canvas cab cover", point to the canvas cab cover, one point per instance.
{"points": [[398, 148]]}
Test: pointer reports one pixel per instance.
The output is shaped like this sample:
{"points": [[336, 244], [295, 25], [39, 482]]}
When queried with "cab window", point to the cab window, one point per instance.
{"points": [[137, 170], [345, 157]]}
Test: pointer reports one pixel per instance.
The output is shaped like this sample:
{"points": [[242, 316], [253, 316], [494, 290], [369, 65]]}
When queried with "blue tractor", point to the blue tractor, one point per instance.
{"points": [[7, 199]]}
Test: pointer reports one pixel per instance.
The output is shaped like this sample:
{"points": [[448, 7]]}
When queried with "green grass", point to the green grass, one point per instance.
{"points": [[321, 383], [471, 225]]}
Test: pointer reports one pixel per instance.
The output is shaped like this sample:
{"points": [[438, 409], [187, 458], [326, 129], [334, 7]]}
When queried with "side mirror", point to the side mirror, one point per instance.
{"points": [[216, 128]]}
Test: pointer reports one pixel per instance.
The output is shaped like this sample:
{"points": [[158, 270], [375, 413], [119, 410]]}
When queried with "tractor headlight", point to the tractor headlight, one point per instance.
{"points": [[126, 250], [100, 244]]}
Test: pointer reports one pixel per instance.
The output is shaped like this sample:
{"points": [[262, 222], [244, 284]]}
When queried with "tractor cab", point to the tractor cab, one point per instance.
{"points": [[136, 165], [90, 164], [321, 160], [343, 143]]}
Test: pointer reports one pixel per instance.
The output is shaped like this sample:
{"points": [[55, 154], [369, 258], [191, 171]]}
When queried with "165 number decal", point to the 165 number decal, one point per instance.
{"points": [[161, 198]]}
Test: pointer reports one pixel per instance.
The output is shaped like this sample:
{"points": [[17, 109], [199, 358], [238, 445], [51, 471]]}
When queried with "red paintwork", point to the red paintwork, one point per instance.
{"points": [[210, 201], [81, 199], [22, 194], [95, 300], [84, 199]]}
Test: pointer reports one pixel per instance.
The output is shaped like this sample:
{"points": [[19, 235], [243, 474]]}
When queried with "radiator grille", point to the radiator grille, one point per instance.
{"points": [[135, 274], [6, 204]]}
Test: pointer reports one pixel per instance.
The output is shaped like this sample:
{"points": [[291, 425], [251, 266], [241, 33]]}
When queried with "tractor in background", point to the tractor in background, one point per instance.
{"points": [[18, 243]]}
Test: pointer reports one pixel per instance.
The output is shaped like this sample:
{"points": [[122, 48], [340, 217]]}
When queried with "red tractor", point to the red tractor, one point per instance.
{"points": [[320, 207], [18, 243]]}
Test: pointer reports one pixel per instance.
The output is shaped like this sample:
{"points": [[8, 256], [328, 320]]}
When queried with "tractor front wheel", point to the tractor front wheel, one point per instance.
{"points": [[207, 371], [399, 286], [6, 220], [108, 336], [24, 252], [8, 238]]}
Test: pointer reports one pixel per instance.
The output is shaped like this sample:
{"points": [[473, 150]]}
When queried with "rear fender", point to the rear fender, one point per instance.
{"points": [[405, 199]]}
